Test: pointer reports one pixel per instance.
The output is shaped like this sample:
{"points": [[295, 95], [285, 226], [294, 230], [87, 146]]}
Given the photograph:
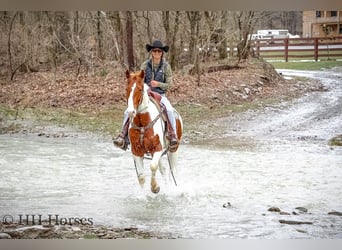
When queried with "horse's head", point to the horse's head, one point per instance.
{"points": [[134, 91]]}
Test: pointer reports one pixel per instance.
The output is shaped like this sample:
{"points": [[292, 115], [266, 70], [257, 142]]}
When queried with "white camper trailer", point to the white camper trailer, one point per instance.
{"points": [[273, 33]]}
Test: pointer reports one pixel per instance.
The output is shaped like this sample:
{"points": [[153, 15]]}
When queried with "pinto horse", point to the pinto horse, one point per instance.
{"points": [[147, 129]]}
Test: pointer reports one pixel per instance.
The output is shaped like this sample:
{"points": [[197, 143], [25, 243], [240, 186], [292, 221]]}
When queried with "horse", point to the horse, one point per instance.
{"points": [[147, 129]]}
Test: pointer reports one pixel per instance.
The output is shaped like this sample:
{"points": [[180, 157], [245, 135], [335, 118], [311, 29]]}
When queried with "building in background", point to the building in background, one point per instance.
{"points": [[322, 23], [287, 20]]}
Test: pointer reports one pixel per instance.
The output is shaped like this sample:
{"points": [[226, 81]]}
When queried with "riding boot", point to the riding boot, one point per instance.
{"points": [[172, 136], [122, 140]]}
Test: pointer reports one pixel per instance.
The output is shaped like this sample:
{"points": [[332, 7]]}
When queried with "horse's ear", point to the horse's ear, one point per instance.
{"points": [[128, 74], [142, 74]]}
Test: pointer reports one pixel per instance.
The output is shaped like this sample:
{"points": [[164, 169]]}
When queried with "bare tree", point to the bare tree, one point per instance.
{"points": [[171, 35], [222, 48], [194, 18], [245, 22], [43, 40], [99, 36], [10, 59], [129, 40], [119, 36]]}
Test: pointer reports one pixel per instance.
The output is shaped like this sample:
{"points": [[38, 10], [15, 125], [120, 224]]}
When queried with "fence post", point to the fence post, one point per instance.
{"points": [[286, 44], [316, 48], [258, 48]]}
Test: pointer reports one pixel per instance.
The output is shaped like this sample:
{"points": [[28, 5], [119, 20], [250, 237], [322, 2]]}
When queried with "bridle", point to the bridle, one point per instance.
{"points": [[142, 129]]}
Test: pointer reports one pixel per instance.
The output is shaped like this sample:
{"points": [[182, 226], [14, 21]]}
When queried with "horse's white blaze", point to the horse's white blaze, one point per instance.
{"points": [[145, 101], [130, 103]]}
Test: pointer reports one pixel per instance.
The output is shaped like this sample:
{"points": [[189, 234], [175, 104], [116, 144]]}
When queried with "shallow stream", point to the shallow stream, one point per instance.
{"points": [[222, 192]]}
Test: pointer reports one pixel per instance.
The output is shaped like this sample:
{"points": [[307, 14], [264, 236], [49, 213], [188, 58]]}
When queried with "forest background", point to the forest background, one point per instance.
{"points": [[93, 41], [69, 67]]}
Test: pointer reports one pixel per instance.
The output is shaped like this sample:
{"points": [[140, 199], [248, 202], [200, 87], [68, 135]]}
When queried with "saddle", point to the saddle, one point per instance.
{"points": [[156, 98]]}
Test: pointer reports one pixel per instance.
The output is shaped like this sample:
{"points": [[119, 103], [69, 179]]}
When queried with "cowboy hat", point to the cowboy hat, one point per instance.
{"points": [[157, 44]]}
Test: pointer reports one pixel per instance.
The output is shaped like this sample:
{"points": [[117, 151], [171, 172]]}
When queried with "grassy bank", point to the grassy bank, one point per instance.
{"points": [[108, 120], [307, 65], [105, 121]]}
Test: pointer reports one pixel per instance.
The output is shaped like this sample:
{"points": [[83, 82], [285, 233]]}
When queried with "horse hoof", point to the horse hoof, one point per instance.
{"points": [[155, 189], [141, 180]]}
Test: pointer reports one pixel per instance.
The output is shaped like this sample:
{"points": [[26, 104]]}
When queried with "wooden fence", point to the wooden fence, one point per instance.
{"points": [[304, 48]]}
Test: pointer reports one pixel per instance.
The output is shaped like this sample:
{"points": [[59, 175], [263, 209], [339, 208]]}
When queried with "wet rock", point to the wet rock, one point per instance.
{"points": [[10, 129], [274, 209], [335, 213], [5, 236], [301, 230], [295, 222], [53, 135], [302, 209], [196, 132], [336, 141], [227, 205], [76, 229], [33, 228]]}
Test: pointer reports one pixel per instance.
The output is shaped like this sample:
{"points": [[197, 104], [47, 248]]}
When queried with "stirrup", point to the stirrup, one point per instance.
{"points": [[173, 145]]}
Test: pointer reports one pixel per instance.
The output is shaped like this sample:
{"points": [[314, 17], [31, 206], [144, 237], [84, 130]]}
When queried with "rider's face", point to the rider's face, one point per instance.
{"points": [[157, 54]]}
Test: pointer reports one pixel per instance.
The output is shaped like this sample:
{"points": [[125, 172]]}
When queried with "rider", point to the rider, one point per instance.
{"points": [[158, 76]]}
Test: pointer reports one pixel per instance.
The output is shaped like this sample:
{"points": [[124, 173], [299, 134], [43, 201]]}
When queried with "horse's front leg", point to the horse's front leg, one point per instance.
{"points": [[139, 167], [154, 167], [162, 170]]}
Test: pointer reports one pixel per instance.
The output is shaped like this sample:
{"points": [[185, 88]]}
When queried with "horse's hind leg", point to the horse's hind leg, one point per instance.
{"points": [[154, 167], [139, 167]]}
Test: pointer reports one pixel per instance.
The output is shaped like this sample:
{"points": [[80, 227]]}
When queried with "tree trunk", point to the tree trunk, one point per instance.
{"points": [[222, 48], [9, 52], [173, 50], [129, 40], [99, 36], [197, 59], [119, 31], [148, 26], [194, 18], [246, 21], [171, 36]]}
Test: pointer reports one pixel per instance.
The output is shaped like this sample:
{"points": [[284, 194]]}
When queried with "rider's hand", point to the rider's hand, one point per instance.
{"points": [[154, 83]]}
